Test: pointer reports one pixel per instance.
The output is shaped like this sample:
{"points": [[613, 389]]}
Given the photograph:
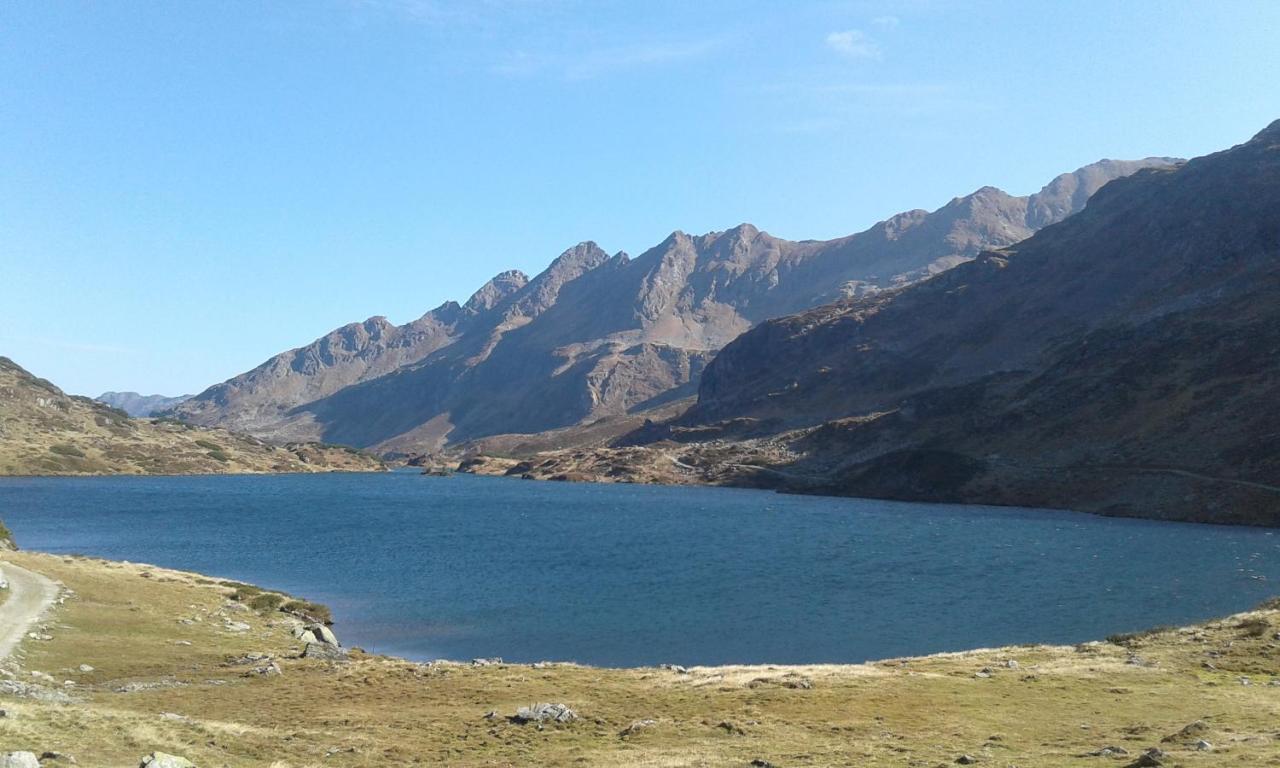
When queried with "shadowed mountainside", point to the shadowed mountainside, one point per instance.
{"points": [[1124, 361], [598, 336]]}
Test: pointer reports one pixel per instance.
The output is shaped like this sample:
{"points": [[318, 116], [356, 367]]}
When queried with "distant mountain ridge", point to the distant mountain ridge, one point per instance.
{"points": [[138, 405], [598, 335]]}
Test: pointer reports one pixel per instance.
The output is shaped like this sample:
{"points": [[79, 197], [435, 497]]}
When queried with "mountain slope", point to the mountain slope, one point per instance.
{"points": [[1126, 361], [46, 432], [598, 336], [261, 399], [138, 405]]}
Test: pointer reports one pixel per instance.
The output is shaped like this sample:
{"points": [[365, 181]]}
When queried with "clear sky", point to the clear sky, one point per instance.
{"points": [[188, 188]]}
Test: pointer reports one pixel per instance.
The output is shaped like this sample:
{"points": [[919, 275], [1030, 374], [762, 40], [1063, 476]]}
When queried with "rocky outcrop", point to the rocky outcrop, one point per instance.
{"points": [[544, 713], [319, 642], [596, 336]]}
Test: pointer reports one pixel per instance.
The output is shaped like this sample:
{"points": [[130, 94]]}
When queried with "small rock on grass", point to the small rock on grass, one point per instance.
{"points": [[165, 760], [637, 727], [19, 760], [1108, 751], [1148, 759]]}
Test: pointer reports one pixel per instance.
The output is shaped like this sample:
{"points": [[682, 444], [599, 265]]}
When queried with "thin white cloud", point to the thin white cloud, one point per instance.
{"points": [[854, 44], [886, 22]]}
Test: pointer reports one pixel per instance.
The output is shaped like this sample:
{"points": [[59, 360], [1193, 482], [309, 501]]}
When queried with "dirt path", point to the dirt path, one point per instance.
{"points": [[29, 595], [1208, 478]]}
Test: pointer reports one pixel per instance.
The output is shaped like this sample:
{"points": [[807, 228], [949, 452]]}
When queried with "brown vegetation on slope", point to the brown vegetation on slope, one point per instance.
{"points": [[44, 431]]}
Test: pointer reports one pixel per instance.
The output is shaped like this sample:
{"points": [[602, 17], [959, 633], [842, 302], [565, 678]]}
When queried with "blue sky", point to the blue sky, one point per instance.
{"points": [[189, 188]]}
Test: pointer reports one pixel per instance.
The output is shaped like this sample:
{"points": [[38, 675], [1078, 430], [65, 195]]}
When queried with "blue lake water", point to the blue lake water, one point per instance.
{"points": [[624, 575]]}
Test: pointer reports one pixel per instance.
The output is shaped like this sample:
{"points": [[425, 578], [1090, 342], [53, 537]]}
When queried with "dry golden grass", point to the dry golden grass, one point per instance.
{"points": [[45, 432], [1056, 705]]}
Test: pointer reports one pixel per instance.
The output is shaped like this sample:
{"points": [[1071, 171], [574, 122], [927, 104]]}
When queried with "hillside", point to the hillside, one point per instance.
{"points": [[597, 336], [44, 431], [1123, 361]]}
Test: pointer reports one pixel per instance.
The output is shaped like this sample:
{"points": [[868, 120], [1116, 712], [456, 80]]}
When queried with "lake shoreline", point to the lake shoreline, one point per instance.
{"points": [[1105, 490], [159, 659], [627, 576]]}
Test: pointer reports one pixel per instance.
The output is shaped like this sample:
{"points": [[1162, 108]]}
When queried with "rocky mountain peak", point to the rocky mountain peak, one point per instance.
{"points": [[541, 292], [498, 288], [581, 257], [1268, 135], [743, 232], [1068, 192]]}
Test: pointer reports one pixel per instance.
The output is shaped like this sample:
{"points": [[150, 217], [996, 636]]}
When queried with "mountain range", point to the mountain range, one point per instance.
{"points": [[1123, 361], [140, 406], [598, 336]]}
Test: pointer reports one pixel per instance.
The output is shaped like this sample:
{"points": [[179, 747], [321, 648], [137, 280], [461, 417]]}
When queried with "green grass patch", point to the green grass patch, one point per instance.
{"points": [[266, 602], [310, 610], [65, 449], [1128, 639], [1256, 627], [243, 592]]}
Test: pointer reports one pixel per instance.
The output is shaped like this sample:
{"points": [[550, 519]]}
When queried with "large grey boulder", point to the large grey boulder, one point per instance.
{"points": [[316, 633], [165, 760], [19, 760], [323, 634], [324, 651]]}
